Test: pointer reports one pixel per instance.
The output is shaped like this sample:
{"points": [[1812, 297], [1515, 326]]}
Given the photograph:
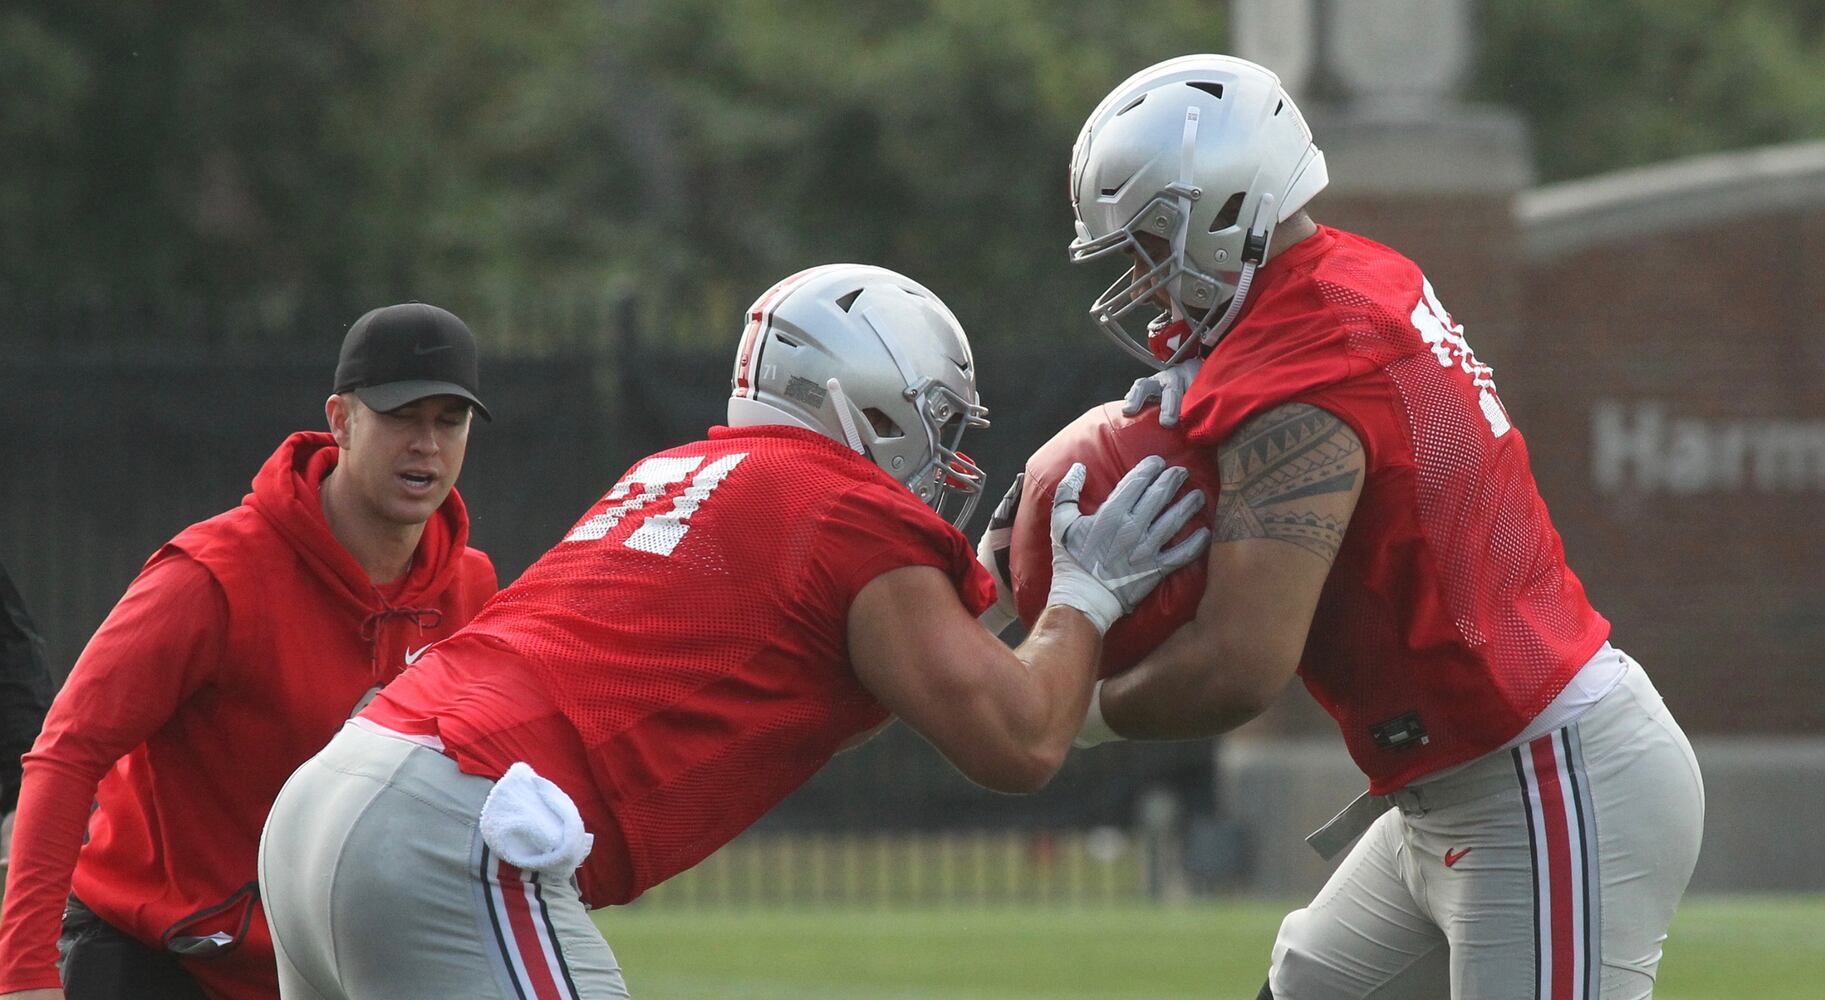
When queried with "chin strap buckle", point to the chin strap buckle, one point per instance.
{"points": [[1254, 248]]}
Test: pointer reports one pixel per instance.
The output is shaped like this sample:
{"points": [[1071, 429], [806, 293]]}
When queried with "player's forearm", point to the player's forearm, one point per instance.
{"points": [[1192, 686], [1061, 654], [1059, 657]]}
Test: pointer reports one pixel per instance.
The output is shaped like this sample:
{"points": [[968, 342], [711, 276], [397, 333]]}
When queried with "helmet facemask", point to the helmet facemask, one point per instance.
{"points": [[947, 480], [1175, 329], [950, 482]]}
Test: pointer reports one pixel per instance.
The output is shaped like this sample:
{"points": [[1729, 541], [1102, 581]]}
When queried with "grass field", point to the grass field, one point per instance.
{"points": [[1721, 948]]}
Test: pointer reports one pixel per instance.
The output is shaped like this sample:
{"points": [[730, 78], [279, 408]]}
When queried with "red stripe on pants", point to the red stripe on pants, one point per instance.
{"points": [[1558, 864], [526, 935]]}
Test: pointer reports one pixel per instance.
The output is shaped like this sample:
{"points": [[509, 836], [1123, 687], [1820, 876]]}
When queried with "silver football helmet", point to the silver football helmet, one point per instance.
{"points": [[1208, 154], [873, 359]]}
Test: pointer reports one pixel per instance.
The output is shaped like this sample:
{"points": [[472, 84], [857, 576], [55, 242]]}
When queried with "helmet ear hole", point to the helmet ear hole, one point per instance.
{"points": [[1232, 210], [884, 426]]}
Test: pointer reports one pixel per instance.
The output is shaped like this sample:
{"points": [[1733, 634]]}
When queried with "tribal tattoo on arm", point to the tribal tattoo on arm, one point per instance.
{"points": [[1288, 474]]}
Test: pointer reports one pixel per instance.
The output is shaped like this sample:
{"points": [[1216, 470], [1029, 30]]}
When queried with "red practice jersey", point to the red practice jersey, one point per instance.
{"points": [[678, 663], [1449, 620]]}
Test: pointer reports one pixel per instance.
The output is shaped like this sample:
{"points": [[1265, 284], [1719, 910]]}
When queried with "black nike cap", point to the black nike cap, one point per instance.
{"points": [[400, 354]]}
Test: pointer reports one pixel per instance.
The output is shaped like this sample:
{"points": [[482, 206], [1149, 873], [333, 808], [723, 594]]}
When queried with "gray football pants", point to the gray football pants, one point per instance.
{"points": [[377, 883], [1547, 872]]}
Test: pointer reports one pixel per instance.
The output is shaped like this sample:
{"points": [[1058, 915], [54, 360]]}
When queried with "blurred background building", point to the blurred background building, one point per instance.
{"points": [[1623, 202]]}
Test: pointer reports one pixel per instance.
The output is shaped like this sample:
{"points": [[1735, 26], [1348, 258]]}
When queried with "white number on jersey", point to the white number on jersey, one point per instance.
{"points": [[650, 481], [1448, 345]]}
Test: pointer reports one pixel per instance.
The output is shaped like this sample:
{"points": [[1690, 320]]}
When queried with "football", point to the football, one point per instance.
{"points": [[1109, 444]]}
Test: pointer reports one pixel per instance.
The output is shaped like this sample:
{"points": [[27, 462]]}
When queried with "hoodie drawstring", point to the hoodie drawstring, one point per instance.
{"points": [[371, 626]]}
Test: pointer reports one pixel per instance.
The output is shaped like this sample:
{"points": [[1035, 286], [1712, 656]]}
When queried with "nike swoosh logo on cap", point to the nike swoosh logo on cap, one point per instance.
{"points": [[417, 349]]}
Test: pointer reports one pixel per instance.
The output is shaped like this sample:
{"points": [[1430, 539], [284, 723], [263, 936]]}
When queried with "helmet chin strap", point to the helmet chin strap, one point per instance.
{"points": [[1254, 252]]}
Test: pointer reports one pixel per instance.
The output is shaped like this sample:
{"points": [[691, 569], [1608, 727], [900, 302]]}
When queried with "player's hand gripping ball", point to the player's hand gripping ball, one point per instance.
{"points": [[1109, 444]]}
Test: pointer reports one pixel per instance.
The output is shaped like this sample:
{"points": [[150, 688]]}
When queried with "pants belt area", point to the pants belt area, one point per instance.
{"points": [[1487, 775]]}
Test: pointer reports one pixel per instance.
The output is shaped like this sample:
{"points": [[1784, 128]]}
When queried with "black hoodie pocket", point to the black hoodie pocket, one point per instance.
{"points": [[214, 930]]}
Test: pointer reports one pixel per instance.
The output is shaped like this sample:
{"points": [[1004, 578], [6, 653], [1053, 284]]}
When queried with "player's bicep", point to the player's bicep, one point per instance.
{"points": [[915, 646], [1291, 478], [917, 649], [1290, 475]]}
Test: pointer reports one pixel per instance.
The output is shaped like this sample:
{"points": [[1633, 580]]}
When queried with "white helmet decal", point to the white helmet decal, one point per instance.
{"points": [[1206, 153], [873, 359]]}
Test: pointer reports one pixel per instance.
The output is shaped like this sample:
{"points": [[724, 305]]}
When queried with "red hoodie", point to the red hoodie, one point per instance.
{"points": [[242, 646]]}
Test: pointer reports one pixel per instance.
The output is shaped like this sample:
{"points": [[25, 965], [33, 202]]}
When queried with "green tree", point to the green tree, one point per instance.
{"points": [[1607, 84], [928, 136], [290, 164]]}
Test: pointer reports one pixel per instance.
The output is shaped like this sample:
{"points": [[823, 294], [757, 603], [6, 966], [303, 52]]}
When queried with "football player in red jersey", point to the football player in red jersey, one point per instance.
{"points": [[732, 613], [1378, 532]]}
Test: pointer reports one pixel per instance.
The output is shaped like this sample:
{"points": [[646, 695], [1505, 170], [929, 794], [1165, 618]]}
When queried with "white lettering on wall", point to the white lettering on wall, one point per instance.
{"points": [[1642, 447]]}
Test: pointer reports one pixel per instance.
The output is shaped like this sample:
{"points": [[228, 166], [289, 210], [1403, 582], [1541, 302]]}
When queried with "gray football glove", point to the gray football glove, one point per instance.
{"points": [[1168, 385], [1105, 563]]}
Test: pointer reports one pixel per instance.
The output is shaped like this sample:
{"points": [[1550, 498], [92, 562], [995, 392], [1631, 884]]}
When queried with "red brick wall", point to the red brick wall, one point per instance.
{"points": [[1710, 563]]}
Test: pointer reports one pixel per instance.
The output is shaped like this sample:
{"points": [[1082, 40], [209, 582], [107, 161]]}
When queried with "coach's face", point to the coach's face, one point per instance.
{"points": [[402, 462]]}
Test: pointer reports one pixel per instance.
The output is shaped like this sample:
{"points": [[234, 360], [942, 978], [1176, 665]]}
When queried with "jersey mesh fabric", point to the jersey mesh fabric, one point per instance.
{"points": [[1449, 598], [691, 630]]}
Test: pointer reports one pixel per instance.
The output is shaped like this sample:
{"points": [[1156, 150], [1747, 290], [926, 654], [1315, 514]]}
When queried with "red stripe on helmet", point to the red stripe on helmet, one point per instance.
{"points": [[759, 318]]}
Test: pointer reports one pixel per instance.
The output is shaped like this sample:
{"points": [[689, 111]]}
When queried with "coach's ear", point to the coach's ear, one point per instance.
{"points": [[338, 412]]}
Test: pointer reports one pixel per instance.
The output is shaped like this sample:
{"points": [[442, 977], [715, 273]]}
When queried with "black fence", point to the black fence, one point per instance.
{"points": [[120, 425]]}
